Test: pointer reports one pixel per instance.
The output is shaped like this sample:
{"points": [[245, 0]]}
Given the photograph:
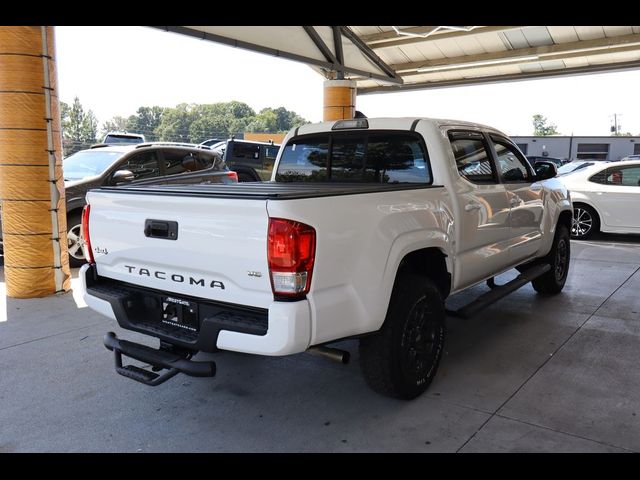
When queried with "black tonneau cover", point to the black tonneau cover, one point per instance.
{"points": [[266, 190]]}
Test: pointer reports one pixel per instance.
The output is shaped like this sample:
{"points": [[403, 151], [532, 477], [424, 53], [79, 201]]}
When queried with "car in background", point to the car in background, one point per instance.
{"points": [[123, 137], [147, 163], [533, 159], [213, 142], [630, 157], [253, 161], [578, 165], [606, 198]]}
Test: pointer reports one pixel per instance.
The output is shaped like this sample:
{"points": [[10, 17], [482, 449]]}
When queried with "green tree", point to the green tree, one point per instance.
{"points": [[146, 121], [541, 128], [273, 120], [116, 124], [175, 122], [79, 128]]}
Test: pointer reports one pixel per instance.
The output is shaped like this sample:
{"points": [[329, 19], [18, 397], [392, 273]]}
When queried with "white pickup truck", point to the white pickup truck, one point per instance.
{"points": [[365, 228]]}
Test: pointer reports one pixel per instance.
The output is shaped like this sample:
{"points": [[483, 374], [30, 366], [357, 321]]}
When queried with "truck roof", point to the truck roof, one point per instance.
{"points": [[399, 123]]}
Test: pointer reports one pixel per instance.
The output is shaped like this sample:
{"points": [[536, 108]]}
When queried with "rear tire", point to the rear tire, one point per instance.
{"points": [[74, 241], [558, 258], [586, 222], [402, 358]]}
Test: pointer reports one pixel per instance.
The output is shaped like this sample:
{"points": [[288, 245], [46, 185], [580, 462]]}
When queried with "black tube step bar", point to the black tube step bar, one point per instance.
{"points": [[499, 291], [174, 363]]}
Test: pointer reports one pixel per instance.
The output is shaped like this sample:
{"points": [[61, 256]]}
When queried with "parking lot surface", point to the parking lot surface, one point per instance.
{"points": [[528, 374]]}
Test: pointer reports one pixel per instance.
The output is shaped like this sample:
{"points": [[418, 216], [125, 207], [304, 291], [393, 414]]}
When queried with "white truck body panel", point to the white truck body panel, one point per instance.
{"points": [[209, 247]]}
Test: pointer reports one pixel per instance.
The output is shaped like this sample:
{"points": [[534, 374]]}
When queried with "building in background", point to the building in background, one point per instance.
{"points": [[579, 148]]}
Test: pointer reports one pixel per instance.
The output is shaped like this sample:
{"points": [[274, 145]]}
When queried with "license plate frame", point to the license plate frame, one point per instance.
{"points": [[180, 313]]}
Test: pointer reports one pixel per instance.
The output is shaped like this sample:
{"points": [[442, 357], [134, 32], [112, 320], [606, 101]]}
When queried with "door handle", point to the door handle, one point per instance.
{"points": [[472, 206]]}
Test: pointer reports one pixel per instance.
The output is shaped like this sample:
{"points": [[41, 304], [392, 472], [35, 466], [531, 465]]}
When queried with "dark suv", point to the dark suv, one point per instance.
{"points": [[253, 161], [145, 163]]}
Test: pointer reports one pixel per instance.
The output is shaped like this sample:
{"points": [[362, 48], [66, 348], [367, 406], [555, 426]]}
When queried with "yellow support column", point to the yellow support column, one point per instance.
{"points": [[339, 99], [31, 182]]}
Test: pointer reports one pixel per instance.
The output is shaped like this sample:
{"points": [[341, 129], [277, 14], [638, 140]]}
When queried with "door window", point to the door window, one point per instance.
{"points": [[513, 168], [143, 165], [623, 176], [472, 157]]}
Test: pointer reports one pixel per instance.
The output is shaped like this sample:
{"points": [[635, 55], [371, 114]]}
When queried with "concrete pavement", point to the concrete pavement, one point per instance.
{"points": [[528, 374]]}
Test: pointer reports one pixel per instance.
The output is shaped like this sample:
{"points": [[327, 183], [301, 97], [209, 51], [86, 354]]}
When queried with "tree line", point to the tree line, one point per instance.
{"points": [[190, 123]]}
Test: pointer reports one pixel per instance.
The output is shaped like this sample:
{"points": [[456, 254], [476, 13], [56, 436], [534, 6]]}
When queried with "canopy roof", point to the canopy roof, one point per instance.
{"points": [[393, 58]]}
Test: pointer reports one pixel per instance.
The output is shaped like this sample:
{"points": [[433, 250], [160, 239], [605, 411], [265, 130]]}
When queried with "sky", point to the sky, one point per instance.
{"points": [[115, 70]]}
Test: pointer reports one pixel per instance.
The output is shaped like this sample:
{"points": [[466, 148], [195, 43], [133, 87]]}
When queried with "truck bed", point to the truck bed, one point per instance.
{"points": [[267, 190]]}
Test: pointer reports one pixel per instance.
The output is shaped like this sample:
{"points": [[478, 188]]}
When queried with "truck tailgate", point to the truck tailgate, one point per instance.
{"points": [[220, 252]]}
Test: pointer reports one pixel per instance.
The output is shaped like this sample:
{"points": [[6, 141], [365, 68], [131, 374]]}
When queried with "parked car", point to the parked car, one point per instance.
{"points": [[606, 198], [631, 157], [253, 161], [213, 142], [578, 165], [123, 137], [365, 229], [535, 159], [148, 163]]}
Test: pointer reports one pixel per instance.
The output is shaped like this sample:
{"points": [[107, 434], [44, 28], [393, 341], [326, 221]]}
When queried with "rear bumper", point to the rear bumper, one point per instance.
{"points": [[282, 329]]}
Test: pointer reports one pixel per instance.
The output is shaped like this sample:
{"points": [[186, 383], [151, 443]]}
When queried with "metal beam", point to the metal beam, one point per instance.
{"points": [[548, 52], [501, 78], [392, 39], [392, 35], [276, 53], [328, 54], [337, 43], [370, 54]]}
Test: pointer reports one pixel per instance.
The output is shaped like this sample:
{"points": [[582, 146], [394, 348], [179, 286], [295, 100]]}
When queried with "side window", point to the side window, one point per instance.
{"points": [[600, 177], [472, 157], [176, 162], [270, 153], [511, 165], [304, 161], [246, 151], [144, 165], [623, 176]]}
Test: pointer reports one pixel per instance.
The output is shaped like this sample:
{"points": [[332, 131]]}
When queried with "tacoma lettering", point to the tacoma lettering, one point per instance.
{"points": [[175, 277]]}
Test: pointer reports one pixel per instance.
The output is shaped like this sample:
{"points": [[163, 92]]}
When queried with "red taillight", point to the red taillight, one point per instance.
{"points": [[86, 245], [291, 251], [233, 176]]}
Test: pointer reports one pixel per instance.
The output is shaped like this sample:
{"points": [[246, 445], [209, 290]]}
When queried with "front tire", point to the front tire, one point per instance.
{"points": [[558, 259], [402, 358], [585, 222], [75, 241]]}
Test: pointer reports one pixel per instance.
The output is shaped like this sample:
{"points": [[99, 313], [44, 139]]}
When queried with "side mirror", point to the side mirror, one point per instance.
{"points": [[545, 170], [122, 176]]}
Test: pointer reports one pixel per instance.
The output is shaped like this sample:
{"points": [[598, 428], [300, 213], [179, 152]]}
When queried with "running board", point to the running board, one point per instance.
{"points": [[499, 291]]}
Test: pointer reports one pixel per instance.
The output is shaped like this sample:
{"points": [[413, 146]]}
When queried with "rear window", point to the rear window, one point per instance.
{"points": [[122, 139], [362, 157]]}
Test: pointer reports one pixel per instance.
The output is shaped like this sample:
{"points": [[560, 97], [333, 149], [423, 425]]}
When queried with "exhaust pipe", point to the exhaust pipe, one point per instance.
{"points": [[335, 354]]}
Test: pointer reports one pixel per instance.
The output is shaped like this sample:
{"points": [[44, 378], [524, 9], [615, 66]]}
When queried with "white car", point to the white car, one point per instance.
{"points": [[606, 198]]}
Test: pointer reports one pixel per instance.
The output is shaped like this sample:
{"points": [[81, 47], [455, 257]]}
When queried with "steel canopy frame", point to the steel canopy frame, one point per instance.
{"points": [[331, 62]]}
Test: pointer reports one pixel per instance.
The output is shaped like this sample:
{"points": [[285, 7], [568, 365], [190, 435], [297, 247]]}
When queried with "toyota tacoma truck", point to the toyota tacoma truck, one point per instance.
{"points": [[363, 231]]}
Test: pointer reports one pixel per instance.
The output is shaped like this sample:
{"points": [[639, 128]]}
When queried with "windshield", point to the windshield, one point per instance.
{"points": [[572, 167], [88, 163]]}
